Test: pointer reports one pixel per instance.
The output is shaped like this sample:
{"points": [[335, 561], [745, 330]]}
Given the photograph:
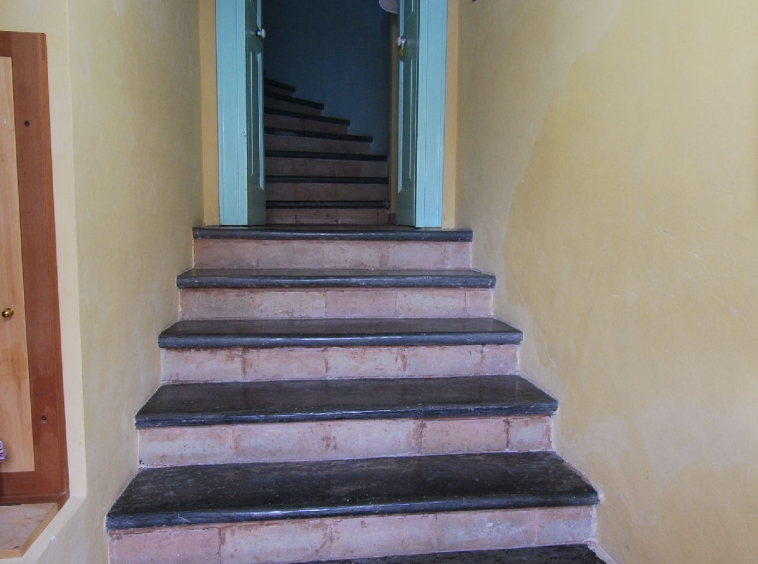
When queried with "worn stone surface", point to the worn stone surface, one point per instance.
{"points": [[337, 332], [256, 492], [321, 400]]}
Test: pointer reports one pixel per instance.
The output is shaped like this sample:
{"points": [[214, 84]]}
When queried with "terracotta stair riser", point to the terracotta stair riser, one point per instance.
{"points": [[327, 216], [283, 166], [275, 90], [315, 144], [250, 253], [341, 440], [303, 540], [301, 124], [290, 106], [320, 303], [237, 364]]}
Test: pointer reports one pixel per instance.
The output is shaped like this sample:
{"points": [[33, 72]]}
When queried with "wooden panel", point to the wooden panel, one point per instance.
{"points": [[49, 480], [15, 399]]}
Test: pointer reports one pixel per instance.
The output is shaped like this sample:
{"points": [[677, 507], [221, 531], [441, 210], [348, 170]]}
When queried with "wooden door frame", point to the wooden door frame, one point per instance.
{"points": [[49, 480], [232, 107]]}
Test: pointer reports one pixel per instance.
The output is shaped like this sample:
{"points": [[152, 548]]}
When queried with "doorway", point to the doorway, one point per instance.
{"points": [[420, 203]]}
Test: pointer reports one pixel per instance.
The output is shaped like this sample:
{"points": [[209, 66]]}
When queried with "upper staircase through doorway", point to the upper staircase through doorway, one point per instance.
{"points": [[316, 172]]}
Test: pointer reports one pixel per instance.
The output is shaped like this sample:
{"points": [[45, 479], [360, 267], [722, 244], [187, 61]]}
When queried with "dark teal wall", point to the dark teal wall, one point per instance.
{"points": [[336, 52]]}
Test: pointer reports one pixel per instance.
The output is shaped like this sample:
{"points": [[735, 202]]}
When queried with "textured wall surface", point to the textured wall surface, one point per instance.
{"points": [[125, 111], [336, 52], [608, 163]]}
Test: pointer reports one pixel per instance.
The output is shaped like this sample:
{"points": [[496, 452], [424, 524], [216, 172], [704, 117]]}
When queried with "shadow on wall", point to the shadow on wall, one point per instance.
{"points": [[336, 52]]}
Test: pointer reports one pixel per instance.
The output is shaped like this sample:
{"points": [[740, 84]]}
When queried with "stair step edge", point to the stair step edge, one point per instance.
{"points": [[382, 486], [320, 156], [308, 400], [338, 333], [277, 84], [334, 233], [557, 554], [317, 135], [327, 204], [311, 117], [293, 100], [256, 278]]}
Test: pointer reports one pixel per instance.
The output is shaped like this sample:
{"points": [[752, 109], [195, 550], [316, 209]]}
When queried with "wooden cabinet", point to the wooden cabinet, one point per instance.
{"points": [[31, 380]]}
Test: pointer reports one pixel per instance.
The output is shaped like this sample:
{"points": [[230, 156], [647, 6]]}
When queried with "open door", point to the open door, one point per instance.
{"points": [[407, 142], [239, 64], [254, 34], [421, 111]]}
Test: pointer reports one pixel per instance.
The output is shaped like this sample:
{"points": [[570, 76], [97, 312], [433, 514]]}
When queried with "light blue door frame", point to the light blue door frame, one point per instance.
{"points": [[233, 116], [421, 127]]}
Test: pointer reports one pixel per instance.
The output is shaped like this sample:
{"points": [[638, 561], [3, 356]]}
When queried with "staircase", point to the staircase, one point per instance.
{"points": [[337, 393], [316, 173]]}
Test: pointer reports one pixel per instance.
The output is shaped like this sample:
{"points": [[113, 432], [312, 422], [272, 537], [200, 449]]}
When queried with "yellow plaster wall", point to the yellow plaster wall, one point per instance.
{"points": [[125, 109], [209, 97], [608, 162]]}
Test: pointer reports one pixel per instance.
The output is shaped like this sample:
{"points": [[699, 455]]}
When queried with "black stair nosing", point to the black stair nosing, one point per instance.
{"points": [[321, 156], [317, 135], [333, 278], [293, 100], [556, 554], [335, 233], [202, 404], [290, 179], [277, 84], [312, 117], [327, 204], [274, 333], [233, 493]]}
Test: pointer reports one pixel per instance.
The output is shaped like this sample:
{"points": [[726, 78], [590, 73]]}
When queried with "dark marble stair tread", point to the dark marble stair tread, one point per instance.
{"points": [[327, 204], [317, 134], [332, 278], [279, 179], [312, 117], [564, 554], [337, 332], [315, 155], [253, 492], [328, 400], [293, 100], [277, 84], [334, 233]]}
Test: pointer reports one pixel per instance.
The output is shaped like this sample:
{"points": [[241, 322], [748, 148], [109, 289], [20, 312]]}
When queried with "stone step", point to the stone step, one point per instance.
{"points": [[560, 554], [274, 333], [292, 140], [301, 163], [272, 294], [276, 87], [326, 213], [324, 189], [334, 246], [282, 119], [276, 101], [292, 512], [254, 350], [346, 419]]}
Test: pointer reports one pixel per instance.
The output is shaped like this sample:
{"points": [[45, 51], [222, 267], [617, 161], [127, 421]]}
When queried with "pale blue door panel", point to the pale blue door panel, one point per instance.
{"points": [[408, 51], [421, 107], [232, 116], [256, 197]]}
